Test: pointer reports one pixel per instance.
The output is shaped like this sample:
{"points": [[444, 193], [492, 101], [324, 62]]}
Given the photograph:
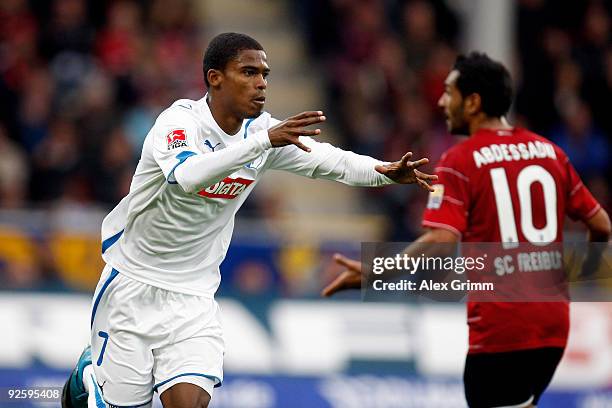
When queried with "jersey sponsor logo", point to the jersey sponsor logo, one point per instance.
{"points": [[229, 188], [496, 153], [176, 138], [434, 201]]}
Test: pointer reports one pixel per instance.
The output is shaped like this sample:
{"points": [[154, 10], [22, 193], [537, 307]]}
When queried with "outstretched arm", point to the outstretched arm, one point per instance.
{"points": [[328, 162]]}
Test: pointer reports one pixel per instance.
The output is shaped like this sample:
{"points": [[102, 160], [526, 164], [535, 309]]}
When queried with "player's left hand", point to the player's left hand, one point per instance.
{"points": [[405, 172], [348, 279]]}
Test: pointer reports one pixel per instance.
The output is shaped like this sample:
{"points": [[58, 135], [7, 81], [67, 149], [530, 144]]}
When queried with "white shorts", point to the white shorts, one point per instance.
{"points": [[146, 339]]}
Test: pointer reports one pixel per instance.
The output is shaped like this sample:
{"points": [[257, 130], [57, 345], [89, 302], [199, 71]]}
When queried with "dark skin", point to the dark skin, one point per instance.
{"points": [[237, 93], [185, 395]]}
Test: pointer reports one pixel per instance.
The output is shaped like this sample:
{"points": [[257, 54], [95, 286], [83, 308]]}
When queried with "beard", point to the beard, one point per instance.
{"points": [[457, 124], [461, 129]]}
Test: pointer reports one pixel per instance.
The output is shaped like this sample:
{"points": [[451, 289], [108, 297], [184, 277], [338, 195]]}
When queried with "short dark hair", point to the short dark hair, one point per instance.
{"points": [[225, 47], [488, 78]]}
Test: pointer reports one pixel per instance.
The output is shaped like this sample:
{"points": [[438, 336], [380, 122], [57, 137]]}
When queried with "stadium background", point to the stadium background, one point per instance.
{"points": [[81, 82]]}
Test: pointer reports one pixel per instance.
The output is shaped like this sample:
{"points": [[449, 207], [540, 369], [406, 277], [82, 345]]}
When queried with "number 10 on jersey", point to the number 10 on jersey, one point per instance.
{"points": [[505, 211]]}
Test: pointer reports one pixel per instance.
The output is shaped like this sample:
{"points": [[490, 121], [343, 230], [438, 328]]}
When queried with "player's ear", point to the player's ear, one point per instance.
{"points": [[215, 77], [473, 104]]}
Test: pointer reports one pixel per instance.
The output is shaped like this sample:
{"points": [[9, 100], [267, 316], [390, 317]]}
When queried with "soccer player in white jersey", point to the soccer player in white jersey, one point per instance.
{"points": [[154, 322]]}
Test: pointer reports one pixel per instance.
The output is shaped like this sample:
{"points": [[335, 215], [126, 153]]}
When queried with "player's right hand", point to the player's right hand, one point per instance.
{"points": [[350, 278], [289, 130]]}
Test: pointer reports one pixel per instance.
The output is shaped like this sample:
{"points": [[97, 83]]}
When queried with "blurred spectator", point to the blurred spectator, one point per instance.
{"points": [[55, 160], [14, 173], [68, 29], [95, 111], [115, 160], [18, 35], [420, 35], [119, 44], [35, 108], [586, 146]]}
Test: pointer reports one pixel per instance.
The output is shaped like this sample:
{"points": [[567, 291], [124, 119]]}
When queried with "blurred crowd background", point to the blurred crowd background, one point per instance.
{"points": [[81, 83]]}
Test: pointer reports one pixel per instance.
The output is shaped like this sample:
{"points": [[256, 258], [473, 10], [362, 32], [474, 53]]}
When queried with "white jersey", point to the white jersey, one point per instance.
{"points": [[174, 227]]}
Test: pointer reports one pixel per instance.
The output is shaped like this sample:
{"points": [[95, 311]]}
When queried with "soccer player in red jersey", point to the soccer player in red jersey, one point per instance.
{"points": [[484, 194]]}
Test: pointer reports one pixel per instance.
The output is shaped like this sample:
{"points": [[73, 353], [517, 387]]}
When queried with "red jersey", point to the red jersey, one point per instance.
{"points": [[509, 186]]}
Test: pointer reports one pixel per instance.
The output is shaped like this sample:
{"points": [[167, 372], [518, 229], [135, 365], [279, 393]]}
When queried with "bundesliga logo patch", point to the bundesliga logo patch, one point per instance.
{"points": [[229, 188], [435, 197], [176, 138]]}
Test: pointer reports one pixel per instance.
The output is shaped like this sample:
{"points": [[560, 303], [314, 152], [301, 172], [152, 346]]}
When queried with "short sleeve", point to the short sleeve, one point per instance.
{"points": [[174, 141], [581, 205], [447, 205]]}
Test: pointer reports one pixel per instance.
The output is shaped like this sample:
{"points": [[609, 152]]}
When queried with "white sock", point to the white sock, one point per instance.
{"points": [[94, 400]]}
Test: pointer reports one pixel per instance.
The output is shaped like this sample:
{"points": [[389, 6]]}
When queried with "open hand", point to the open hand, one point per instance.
{"points": [[289, 130], [348, 279], [405, 172]]}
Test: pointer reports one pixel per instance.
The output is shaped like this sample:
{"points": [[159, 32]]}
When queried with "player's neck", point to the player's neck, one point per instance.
{"points": [[489, 123], [228, 122]]}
